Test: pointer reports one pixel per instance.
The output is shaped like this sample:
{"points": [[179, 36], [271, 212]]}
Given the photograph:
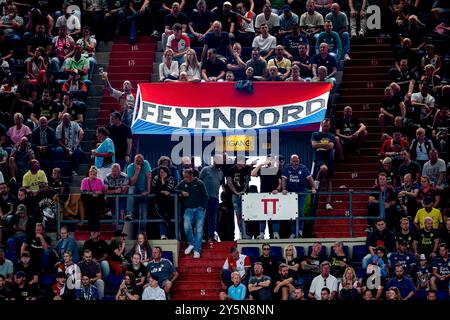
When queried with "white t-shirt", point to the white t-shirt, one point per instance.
{"points": [[273, 21], [311, 21], [419, 98], [319, 283], [72, 23], [237, 265], [264, 44], [433, 171], [153, 294]]}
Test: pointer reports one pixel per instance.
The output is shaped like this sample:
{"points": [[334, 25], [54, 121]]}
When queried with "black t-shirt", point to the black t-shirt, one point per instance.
{"points": [[408, 238], [227, 19], [35, 247], [22, 294], [329, 62], [445, 236], [392, 105], [336, 269], [4, 293], [98, 248], [5, 203], [347, 127], [112, 256], [214, 69], [269, 182], [292, 42], [44, 109], [312, 261], [139, 273], [304, 72], [57, 185], [170, 19], [240, 178], [220, 43], [413, 168], [390, 175], [202, 23], [5, 47], [119, 135], [402, 79], [30, 271], [40, 41], [270, 265], [425, 241], [74, 111]]}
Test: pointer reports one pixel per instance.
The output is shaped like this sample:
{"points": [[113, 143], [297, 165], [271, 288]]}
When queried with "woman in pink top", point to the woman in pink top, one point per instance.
{"points": [[17, 132], [93, 198]]}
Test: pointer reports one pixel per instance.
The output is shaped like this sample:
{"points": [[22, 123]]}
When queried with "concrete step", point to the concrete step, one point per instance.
{"points": [[350, 70]]}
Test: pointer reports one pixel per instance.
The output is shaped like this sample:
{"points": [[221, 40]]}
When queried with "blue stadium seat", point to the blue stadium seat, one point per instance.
{"points": [[323, 252], [360, 272], [167, 255], [346, 251], [300, 252], [442, 295], [276, 252], [47, 280], [421, 295], [109, 298], [358, 253], [252, 252], [112, 282]]}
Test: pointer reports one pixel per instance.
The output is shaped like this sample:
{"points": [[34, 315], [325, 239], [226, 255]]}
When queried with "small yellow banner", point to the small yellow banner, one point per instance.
{"points": [[236, 143]]}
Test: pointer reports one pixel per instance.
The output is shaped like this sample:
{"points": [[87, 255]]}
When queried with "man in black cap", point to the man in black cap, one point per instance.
{"points": [[21, 290]]}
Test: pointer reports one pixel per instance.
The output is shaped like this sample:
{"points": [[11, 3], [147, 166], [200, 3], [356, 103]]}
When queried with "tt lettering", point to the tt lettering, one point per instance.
{"points": [[274, 205]]}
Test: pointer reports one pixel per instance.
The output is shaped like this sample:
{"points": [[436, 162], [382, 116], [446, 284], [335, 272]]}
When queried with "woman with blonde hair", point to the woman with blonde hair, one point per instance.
{"points": [[393, 294], [290, 259], [168, 69], [191, 66], [93, 198], [349, 286]]}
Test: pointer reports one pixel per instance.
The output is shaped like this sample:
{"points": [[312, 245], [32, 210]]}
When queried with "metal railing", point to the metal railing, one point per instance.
{"points": [[142, 221]]}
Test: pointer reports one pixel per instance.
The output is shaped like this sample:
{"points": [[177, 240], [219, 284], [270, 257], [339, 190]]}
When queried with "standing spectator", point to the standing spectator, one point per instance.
{"points": [[382, 201], [323, 143], [358, 13], [163, 269], [265, 42], [311, 22], [295, 179], [99, 249], [66, 243], [153, 291], [33, 177], [121, 136], [435, 169], [212, 177], [130, 14], [163, 184], [195, 200], [269, 19], [139, 173], [93, 198], [259, 284], [404, 284], [324, 280], [104, 154], [69, 136], [168, 69], [441, 272], [125, 98], [238, 178], [236, 261], [117, 183], [91, 269]]}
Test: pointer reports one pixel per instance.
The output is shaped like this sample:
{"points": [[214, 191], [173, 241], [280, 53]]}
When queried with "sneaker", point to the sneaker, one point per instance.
{"points": [[353, 35], [216, 236], [328, 206], [13, 180], [261, 236], [155, 34], [361, 33], [189, 249], [347, 57], [316, 184], [163, 237], [196, 255], [292, 236], [276, 235], [245, 237], [300, 234]]}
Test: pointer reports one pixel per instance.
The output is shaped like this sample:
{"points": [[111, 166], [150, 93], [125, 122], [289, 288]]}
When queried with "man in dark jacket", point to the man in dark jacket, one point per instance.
{"points": [[43, 140], [194, 199]]}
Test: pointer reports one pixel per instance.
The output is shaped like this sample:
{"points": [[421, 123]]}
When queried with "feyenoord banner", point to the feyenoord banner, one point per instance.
{"points": [[165, 108]]}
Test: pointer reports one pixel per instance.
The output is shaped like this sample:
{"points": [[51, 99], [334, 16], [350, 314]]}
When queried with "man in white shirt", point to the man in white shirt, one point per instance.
{"points": [[422, 100], [153, 291], [323, 280], [269, 18], [265, 42]]}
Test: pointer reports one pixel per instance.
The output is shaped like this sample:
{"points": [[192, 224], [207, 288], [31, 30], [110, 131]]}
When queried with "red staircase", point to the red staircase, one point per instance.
{"points": [[200, 278], [365, 77]]}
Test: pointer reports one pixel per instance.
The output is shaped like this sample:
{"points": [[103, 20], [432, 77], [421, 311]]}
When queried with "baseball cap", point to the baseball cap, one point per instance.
{"points": [[20, 274], [119, 233], [21, 208], [227, 3]]}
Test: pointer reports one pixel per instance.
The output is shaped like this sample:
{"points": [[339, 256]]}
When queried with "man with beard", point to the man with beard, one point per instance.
{"points": [[19, 158], [121, 135], [125, 98], [43, 142], [69, 135], [91, 269], [350, 133], [428, 211], [33, 177], [259, 284], [427, 240]]}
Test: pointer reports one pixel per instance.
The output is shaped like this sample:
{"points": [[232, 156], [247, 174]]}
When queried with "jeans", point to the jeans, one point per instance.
{"points": [[13, 244], [104, 267], [100, 285], [56, 67], [143, 202], [122, 205], [196, 217], [211, 214], [92, 64], [345, 37], [301, 213], [275, 226]]}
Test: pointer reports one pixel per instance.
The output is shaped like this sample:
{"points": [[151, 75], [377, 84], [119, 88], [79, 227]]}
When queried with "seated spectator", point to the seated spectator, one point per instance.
{"points": [[99, 250], [163, 184], [163, 269], [269, 19], [104, 154], [117, 183], [236, 64], [303, 61], [37, 66], [29, 268], [56, 184], [420, 147], [295, 74], [38, 244], [381, 236], [273, 74], [428, 190], [435, 169], [19, 130], [408, 166], [153, 291], [21, 290], [423, 274], [257, 63], [140, 175], [402, 257], [73, 275], [174, 17], [283, 64], [404, 77], [39, 39], [47, 108], [259, 284], [179, 43], [80, 63], [339, 261], [6, 269], [265, 42], [311, 22], [218, 40], [87, 291], [77, 88], [392, 148], [213, 69], [128, 291], [21, 154], [382, 202], [268, 261], [288, 20], [21, 226], [63, 48], [88, 44], [404, 284], [66, 243], [440, 278], [142, 247], [200, 23], [393, 293], [116, 256], [392, 107], [168, 69], [407, 194], [282, 283], [349, 287], [191, 66], [427, 241], [12, 24], [43, 141], [236, 261], [323, 280], [69, 20], [350, 133], [415, 31], [340, 25], [245, 32], [93, 199], [33, 177], [237, 291], [69, 136], [309, 267], [323, 58], [331, 38], [292, 42], [138, 269], [428, 211]]}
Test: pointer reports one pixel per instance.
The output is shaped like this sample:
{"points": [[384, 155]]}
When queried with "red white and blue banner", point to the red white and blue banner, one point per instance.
{"points": [[166, 108]]}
